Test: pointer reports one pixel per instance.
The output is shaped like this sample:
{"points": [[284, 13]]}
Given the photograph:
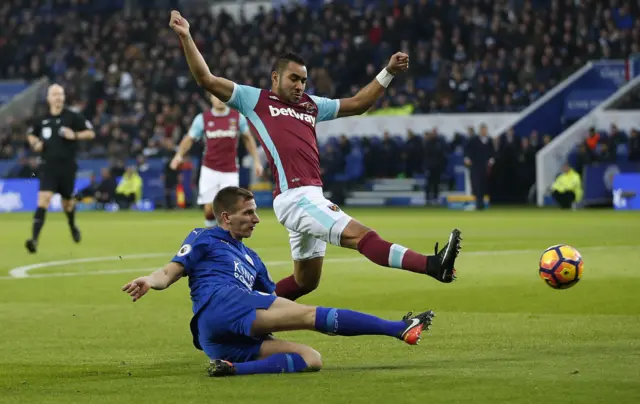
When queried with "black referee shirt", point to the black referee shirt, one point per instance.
{"points": [[57, 149]]}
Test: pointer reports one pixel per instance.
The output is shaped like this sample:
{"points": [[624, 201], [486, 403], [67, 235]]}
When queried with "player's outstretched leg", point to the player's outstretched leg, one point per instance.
{"points": [[70, 210], [44, 198], [276, 356], [440, 266], [285, 315]]}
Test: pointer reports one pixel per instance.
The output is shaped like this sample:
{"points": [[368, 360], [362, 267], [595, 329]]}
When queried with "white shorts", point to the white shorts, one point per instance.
{"points": [[212, 181], [312, 221]]}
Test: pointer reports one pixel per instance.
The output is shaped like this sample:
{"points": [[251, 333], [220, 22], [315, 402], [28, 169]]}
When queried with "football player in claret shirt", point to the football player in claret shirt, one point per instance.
{"points": [[219, 128], [284, 119]]}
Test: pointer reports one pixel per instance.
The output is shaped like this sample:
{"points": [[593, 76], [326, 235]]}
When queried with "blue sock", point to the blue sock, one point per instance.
{"points": [[351, 323], [278, 363]]}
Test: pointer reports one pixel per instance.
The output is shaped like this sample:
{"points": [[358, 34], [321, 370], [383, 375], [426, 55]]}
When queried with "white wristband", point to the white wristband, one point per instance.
{"points": [[384, 78]]}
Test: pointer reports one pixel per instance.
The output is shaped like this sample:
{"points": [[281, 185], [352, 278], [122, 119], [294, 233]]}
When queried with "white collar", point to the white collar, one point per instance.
{"points": [[219, 114]]}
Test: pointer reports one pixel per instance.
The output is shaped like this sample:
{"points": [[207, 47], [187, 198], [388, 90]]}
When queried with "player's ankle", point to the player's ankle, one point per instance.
{"points": [[433, 266]]}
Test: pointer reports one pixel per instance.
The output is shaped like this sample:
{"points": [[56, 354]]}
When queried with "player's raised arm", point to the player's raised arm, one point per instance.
{"points": [[366, 97], [158, 280], [218, 86]]}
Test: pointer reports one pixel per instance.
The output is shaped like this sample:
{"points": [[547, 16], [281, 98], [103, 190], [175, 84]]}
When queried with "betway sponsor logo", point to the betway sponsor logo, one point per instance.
{"points": [[293, 113], [220, 133]]}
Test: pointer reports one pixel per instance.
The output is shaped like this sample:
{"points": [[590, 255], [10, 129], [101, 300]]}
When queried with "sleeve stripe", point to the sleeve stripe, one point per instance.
{"points": [[335, 115], [233, 94]]}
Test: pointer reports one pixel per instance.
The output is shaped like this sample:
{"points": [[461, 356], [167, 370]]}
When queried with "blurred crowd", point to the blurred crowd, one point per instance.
{"points": [[126, 72], [430, 156], [612, 145]]}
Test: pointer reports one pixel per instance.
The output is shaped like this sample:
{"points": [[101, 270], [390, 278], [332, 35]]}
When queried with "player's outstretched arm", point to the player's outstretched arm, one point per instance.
{"points": [[218, 86], [158, 280], [367, 97]]}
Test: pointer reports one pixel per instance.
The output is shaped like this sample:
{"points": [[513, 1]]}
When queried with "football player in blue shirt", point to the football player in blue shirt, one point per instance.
{"points": [[235, 309]]}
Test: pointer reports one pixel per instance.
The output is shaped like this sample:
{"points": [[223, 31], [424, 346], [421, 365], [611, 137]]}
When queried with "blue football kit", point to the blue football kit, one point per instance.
{"points": [[228, 283]]}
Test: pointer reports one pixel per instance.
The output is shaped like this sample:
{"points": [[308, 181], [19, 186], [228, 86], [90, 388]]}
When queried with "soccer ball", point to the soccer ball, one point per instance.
{"points": [[561, 266]]}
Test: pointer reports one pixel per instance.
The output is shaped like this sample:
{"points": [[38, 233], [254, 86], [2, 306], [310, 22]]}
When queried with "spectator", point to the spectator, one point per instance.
{"points": [[593, 138], [129, 191], [567, 188], [103, 192], [413, 152], [128, 73], [435, 163]]}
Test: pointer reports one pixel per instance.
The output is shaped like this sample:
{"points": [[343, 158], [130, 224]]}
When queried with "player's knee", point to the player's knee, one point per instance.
{"points": [[308, 284], [308, 317], [44, 199], [312, 358], [307, 273], [353, 233]]}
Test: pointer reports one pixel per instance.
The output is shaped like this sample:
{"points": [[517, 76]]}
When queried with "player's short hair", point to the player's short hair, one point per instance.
{"points": [[284, 59], [227, 198]]}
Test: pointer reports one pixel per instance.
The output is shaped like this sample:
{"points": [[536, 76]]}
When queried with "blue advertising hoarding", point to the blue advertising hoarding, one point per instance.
{"points": [[626, 191], [598, 180], [580, 102], [21, 195]]}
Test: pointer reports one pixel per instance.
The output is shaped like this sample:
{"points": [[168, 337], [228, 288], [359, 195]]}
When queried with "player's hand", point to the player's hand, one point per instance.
{"points": [[259, 170], [179, 24], [137, 287], [175, 162], [68, 134], [398, 63]]}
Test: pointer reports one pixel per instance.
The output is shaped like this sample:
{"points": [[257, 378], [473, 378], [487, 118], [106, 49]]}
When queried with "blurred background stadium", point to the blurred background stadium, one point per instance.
{"points": [[553, 80]]}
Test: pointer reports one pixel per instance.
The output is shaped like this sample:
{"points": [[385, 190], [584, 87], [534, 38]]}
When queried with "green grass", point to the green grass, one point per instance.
{"points": [[500, 335]]}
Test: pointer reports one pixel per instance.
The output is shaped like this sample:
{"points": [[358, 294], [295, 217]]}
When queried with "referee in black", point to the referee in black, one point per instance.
{"points": [[55, 136]]}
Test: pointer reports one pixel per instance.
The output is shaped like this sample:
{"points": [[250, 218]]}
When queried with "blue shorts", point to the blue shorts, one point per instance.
{"points": [[224, 324]]}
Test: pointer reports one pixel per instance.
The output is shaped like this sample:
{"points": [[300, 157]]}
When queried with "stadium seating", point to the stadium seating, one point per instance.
{"points": [[467, 56], [125, 70]]}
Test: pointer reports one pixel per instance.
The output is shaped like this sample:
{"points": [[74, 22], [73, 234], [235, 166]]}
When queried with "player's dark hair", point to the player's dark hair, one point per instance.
{"points": [[227, 198], [284, 59]]}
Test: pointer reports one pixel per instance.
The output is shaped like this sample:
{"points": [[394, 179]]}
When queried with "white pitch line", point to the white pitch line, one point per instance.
{"points": [[23, 271], [136, 270]]}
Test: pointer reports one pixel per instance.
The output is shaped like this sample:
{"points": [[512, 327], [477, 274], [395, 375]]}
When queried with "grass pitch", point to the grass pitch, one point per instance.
{"points": [[69, 335]]}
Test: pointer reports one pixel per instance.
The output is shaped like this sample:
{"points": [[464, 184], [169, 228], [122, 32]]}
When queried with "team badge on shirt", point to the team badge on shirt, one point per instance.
{"points": [[334, 208], [309, 107], [184, 250]]}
